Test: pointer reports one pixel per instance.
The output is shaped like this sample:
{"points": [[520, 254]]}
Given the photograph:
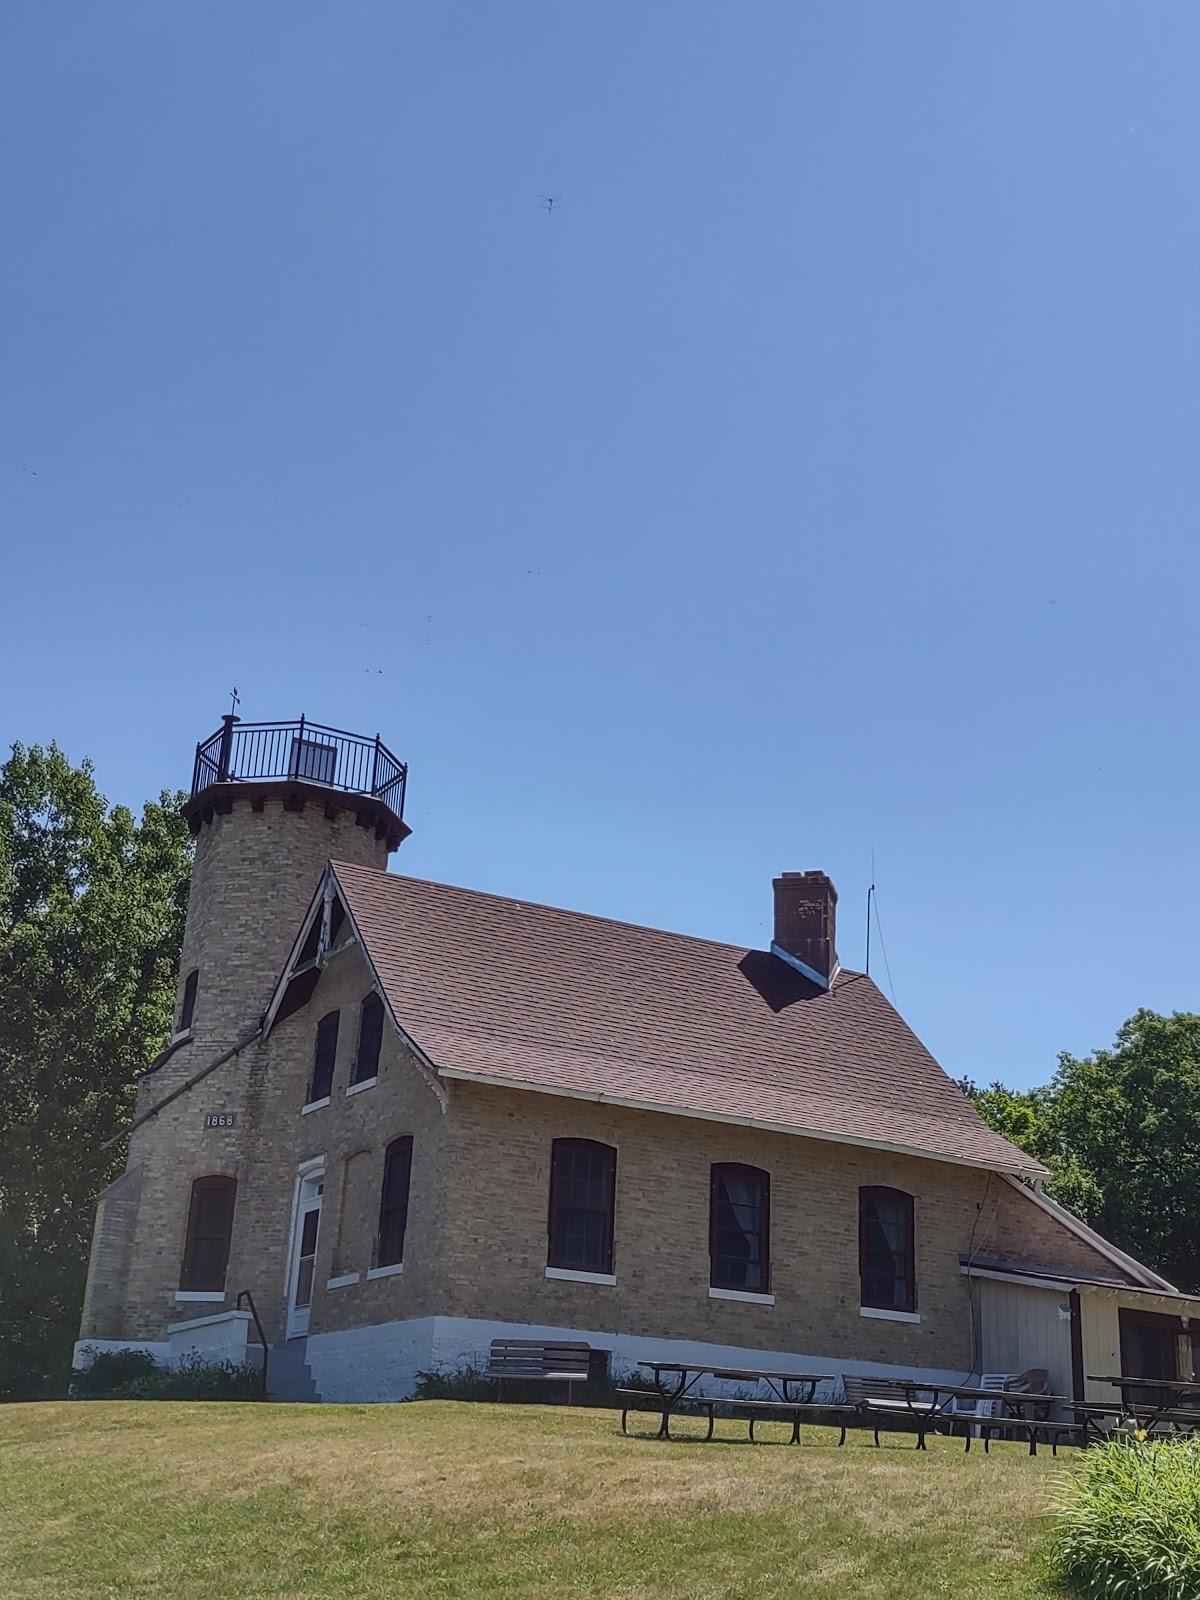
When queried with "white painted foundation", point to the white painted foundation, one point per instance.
{"points": [[381, 1362]]}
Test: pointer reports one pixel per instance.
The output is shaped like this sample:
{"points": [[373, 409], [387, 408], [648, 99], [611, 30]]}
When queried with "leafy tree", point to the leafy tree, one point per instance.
{"points": [[92, 904], [1120, 1132]]}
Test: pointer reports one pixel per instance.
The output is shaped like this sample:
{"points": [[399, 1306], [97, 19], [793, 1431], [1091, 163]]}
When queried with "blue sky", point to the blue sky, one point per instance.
{"points": [[820, 478]]}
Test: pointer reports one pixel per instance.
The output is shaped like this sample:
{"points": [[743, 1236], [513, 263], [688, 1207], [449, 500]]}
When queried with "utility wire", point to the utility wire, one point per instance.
{"points": [[887, 966]]}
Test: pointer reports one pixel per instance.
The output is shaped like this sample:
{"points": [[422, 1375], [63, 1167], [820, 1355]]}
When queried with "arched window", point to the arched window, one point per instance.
{"points": [[583, 1186], [324, 1057], [188, 1004], [209, 1230], [370, 1037], [393, 1203], [887, 1264], [739, 1228]]}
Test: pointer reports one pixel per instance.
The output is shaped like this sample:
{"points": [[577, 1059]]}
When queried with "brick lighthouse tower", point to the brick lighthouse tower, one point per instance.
{"points": [[270, 804]]}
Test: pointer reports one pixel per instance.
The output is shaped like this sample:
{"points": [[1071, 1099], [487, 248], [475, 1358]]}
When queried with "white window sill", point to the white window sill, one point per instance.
{"points": [[342, 1282], [748, 1295], [569, 1275], [386, 1272], [366, 1083], [181, 1036], [889, 1316], [209, 1296], [313, 1105]]}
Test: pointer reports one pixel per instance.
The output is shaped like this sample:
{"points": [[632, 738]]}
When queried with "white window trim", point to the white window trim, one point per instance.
{"points": [[178, 1038], [569, 1275], [343, 1281], [208, 1296], [365, 1083], [314, 1105], [889, 1316], [749, 1295], [391, 1271]]}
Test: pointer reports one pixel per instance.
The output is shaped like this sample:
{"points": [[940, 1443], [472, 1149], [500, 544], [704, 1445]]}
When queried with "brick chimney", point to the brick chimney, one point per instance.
{"points": [[805, 924]]}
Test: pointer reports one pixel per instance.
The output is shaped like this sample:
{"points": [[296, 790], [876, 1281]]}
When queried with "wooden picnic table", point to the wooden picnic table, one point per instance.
{"points": [[675, 1385], [1172, 1392], [929, 1402]]}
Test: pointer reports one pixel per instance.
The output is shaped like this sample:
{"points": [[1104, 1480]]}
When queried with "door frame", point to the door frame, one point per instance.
{"points": [[308, 1195]]}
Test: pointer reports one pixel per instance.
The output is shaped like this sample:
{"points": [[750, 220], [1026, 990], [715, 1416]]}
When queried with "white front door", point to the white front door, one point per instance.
{"points": [[304, 1253]]}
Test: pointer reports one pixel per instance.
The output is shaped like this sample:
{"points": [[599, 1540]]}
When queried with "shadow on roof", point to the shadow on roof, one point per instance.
{"points": [[775, 982]]}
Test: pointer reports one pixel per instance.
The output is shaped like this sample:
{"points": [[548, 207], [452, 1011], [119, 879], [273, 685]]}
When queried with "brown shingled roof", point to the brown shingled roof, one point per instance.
{"points": [[571, 1004]]}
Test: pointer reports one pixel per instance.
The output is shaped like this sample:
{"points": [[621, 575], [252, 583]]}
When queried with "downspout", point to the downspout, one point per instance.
{"points": [[1077, 1375]]}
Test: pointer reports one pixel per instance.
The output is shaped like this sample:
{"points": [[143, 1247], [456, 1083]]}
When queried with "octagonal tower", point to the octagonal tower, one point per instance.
{"points": [[271, 802]]}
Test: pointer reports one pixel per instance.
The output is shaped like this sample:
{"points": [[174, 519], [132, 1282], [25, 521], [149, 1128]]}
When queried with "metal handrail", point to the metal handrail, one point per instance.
{"points": [[300, 751], [262, 1337]]}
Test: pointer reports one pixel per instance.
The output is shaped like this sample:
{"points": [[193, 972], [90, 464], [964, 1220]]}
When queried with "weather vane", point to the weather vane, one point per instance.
{"points": [[236, 701], [549, 201]]}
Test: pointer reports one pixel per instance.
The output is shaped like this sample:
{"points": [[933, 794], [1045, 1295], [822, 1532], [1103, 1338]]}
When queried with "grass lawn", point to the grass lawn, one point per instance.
{"points": [[213, 1502]]}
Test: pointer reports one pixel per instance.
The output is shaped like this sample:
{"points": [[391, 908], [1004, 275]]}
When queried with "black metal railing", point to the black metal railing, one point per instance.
{"points": [[246, 1297], [308, 752]]}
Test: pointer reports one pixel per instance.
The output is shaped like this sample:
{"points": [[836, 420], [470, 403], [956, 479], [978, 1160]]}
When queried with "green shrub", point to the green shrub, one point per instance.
{"points": [[1130, 1525], [136, 1375], [112, 1374], [467, 1382], [454, 1383]]}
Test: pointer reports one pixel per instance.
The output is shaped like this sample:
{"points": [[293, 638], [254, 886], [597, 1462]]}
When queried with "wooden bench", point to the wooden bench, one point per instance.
{"points": [[795, 1412], [1030, 1428], [653, 1401], [539, 1360], [878, 1401]]}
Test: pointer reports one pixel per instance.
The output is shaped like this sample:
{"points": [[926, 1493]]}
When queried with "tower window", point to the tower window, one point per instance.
{"points": [[370, 1038], [324, 1057], [739, 1228], [393, 1204], [209, 1231], [583, 1181], [188, 1004]]}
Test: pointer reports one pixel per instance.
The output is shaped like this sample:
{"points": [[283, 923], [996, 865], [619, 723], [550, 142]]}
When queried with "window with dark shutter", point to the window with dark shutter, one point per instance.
{"points": [[583, 1183], [887, 1250], [370, 1037], [739, 1228], [188, 1006], [324, 1056], [393, 1205], [209, 1230]]}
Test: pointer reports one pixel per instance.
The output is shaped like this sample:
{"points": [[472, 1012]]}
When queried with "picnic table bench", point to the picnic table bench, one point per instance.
{"points": [[550, 1360], [789, 1396], [1169, 1407], [931, 1404]]}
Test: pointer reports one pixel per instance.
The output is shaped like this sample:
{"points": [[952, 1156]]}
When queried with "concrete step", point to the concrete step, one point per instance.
{"points": [[288, 1374]]}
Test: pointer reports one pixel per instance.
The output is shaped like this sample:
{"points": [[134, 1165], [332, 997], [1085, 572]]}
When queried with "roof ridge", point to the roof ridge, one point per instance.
{"points": [[565, 911]]}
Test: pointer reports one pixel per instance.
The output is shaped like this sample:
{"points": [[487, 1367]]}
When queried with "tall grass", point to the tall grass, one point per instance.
{"points": [[1130, 1525]]}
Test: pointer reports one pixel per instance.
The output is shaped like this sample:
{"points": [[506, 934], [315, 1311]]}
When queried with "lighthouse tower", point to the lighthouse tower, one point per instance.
{"points": [[270, 804]]}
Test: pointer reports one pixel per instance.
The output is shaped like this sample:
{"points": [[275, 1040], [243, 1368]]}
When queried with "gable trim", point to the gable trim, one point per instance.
{"points": [[493, 1080], [430, 1073], [320, 904], [290, 968], [1148, 1279]]}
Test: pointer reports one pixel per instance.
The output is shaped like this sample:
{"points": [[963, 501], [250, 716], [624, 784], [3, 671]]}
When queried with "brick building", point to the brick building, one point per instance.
{"points": [[409, 1119]]}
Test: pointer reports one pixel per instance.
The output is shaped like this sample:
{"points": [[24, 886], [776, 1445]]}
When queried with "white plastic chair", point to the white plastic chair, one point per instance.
{"points": [[963, 1408]]}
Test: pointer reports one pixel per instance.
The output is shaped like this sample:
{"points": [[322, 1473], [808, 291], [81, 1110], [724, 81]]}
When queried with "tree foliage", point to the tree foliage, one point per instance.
{"points": [[92, 904], [1120, 1132]]}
